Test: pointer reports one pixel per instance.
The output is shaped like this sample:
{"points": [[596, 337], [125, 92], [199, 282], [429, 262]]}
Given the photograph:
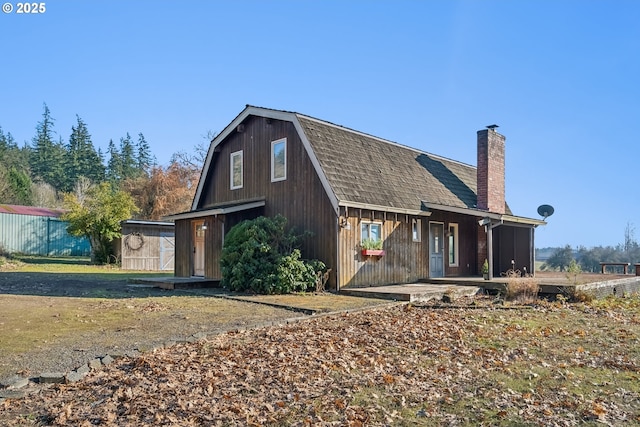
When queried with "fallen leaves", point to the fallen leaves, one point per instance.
{"points": [[384, 366]]}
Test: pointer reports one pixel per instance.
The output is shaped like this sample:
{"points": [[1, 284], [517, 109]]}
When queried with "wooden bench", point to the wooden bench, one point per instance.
{"points": [[624, 265]]}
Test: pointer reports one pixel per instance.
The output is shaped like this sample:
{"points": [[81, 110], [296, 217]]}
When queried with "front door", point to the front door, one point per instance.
{"points": [[436, 249], [198, 248]]}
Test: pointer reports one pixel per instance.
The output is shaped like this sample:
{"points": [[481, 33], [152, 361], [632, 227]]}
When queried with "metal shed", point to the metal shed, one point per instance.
{"points": [[33, 230], [146, 245]]}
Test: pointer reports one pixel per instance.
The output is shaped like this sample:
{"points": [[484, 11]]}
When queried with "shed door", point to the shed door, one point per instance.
{"points": [[167, 250], [198, 248], [436, 249]]}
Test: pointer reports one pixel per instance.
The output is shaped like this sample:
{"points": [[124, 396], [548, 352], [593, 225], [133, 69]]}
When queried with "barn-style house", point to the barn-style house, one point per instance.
{"points": [[436, 217]]}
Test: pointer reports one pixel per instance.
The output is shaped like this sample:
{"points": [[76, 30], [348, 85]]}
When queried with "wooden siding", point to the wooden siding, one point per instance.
{"points": [[301, 198], [184, 248], [404, 261], [139, 247], [467, 243], [511, 244]]}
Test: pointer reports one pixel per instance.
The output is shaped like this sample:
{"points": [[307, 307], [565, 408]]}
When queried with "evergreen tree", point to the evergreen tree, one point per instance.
{"points": [[128, 158], [114, 166], [20, 186], [47, 156], [145, 159], [82, 158]]}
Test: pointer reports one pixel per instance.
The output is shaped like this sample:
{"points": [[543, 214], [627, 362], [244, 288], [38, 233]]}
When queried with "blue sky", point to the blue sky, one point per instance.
{"points": [[560, 78]]}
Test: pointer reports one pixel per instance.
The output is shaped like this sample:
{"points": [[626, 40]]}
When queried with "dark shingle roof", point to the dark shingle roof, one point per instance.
{"points": [[364, 169]]}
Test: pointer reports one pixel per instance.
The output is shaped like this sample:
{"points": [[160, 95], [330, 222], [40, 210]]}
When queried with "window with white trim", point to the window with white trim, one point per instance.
{"points": [[370, 231], [416, 227], [279, 160], [237, 170], [452, 235]]}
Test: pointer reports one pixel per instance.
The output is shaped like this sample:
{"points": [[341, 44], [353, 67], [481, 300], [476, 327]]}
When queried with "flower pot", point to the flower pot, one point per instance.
{"points": [[485, 276], [372, 252]]}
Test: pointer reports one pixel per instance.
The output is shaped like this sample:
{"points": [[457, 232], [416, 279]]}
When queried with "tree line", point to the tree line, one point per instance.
{"points": [[42, 172], [589, 259]]}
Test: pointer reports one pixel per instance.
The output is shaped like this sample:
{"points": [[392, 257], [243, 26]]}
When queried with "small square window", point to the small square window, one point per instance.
{"points": [[237, 172], [370, 231], [279, 160]]}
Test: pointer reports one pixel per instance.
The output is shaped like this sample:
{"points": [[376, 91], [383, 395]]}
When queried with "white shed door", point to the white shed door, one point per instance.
{"points": [[167, 250]]}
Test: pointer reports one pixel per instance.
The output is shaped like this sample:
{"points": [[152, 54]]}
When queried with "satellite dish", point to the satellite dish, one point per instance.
{"points": [[545, 211]]}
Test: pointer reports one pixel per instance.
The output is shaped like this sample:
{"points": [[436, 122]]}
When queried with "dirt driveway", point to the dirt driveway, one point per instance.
{"points": [[55, 322]]}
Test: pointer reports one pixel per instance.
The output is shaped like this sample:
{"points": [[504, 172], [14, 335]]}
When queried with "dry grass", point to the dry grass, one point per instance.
{"points": [[522, 290]]}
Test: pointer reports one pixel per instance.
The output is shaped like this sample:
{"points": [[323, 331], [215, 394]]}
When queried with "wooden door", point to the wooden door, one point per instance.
{"points": [[436, 249], [198, 248]]}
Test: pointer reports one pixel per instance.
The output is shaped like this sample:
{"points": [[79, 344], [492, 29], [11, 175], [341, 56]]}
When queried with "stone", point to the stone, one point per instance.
{"points": [[74, 377], [51, 378], [19, 383], [84, 369], [107, 360], [95, 364]]}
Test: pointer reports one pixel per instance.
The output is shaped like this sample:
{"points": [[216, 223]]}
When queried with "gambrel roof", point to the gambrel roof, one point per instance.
{"points": [[361, 170]]}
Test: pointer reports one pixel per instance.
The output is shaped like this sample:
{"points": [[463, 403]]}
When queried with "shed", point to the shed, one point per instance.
{"points": [[146, 245], [32, 230]]}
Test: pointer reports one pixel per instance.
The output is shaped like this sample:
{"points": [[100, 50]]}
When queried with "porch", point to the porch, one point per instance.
{"points": [[550, 284]]}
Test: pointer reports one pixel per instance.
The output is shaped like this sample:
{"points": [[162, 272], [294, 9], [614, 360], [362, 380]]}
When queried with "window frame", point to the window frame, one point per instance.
{"points": [[368, 224], [274, 178], [233, 156], [416, 230], [452, 233]]}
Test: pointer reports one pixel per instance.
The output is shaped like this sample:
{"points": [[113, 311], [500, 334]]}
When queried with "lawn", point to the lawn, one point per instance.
{"points": [[422, 364]]}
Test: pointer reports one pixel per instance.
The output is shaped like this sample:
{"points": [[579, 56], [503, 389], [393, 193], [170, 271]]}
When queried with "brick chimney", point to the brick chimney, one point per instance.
{"points": [[490, 177]]}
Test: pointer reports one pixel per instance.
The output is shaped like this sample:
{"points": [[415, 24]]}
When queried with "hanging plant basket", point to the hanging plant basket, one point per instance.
{"points": [[372, 252]]}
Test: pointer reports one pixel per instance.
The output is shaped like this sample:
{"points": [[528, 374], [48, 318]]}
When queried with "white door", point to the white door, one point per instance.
{"points": [[198, 248], [167, 250], [436, 249]]}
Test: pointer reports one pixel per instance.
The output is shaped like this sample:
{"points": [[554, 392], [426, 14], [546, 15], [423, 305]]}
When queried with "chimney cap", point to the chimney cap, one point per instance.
{"points": [[492, 127]]}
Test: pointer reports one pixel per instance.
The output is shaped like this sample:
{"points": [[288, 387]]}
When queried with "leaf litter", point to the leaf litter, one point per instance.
{"points": [[557, 365]]}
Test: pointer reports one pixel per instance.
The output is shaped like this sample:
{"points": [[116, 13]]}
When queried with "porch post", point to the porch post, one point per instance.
{"points": [[490, 250]]}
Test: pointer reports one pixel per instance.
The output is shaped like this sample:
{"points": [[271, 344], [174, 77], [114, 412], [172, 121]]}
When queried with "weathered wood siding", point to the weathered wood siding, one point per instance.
{"points": [[301, 197], [404, 261], [143, 247], [467, 243], [184, 248]]}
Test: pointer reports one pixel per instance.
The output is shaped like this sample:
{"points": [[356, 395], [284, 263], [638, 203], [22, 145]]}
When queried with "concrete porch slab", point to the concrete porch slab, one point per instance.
{"points": [[413, 292]]}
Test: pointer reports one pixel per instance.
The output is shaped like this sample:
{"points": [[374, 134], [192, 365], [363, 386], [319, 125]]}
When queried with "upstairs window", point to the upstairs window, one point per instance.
{"points": [[279, 160], [237, 170]]}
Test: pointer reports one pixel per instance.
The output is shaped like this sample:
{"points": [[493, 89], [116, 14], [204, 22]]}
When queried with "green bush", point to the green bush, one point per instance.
{"points": [[261, 256]]}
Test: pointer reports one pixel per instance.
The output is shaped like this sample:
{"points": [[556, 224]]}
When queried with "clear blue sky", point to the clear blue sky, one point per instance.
{"points": [[559, 77]]}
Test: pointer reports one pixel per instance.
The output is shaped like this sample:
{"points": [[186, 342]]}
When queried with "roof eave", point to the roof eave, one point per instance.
{"points": [[484, 214]]}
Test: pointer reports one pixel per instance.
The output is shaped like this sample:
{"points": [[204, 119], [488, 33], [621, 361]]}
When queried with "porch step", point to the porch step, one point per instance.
{"points": [[413, 292]]}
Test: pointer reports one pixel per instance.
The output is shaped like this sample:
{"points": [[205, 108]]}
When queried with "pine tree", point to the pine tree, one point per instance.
{"points": [[114, 167], [127, 155], [82, 158], [47, 157], [145, 159]]}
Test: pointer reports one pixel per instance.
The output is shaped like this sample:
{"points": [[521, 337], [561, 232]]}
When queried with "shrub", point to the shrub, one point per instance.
{"points": [[261, 256], [523, 291]]}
